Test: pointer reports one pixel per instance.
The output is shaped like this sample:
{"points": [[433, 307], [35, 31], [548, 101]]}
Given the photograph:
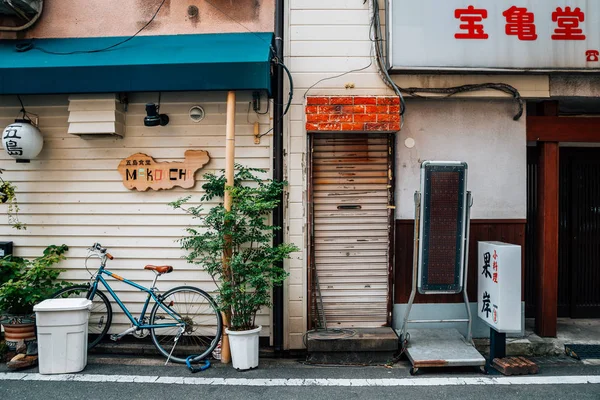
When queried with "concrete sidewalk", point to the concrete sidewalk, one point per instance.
{"points": [[570, 331], [580, 331]]}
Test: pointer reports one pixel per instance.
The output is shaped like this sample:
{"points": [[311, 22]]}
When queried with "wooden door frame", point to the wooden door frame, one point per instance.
{"points": [[547, 128], [391, 222]]}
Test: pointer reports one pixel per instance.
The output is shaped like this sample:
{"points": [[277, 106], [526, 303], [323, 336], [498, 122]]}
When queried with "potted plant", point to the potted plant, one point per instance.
{"points": [[244, 234], [7, 195], [24, 283]]}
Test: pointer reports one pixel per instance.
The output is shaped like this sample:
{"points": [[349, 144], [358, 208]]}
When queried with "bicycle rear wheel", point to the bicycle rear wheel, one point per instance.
{"points": [[199, 322], [100, 314]]}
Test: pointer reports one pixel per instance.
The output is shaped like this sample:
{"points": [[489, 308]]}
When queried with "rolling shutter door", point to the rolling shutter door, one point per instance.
{"points": [[351, 193]]}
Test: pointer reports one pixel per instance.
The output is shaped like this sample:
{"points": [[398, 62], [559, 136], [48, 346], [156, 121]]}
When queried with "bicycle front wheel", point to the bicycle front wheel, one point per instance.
{"points": [[192, 324], [100, 314]]}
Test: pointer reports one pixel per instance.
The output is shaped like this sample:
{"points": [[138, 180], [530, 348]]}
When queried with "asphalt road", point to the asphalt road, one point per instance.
{"points": [[436, 384]]}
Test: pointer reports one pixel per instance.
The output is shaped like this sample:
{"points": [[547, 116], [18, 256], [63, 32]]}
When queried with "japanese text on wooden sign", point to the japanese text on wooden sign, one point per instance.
{"points": [[142, 172], [499, 34], [499, 285]]}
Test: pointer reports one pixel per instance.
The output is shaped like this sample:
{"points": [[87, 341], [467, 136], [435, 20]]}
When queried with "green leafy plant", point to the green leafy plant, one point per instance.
{"points": [[245, 234], [7, 195], [27, 282]]}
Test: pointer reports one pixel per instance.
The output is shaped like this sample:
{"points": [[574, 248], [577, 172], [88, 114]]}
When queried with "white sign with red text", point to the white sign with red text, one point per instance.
{"points": [[499, 285], [489, 35]]}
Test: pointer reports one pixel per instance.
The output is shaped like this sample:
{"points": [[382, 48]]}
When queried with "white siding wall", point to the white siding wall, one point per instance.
{"points": [[72, 193], [328, 38]]}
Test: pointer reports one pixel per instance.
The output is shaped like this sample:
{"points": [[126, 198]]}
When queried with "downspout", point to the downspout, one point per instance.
{"points": [[278, 100]]}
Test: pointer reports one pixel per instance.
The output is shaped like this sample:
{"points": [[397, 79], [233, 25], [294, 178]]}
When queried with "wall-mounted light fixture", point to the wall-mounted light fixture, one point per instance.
{"points": [[153, 116]]}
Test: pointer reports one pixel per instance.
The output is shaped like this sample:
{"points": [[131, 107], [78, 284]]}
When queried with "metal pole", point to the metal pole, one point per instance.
{"points": [[229, 173], [466, 262], [415, 264], [497, 348], [278, 295]]}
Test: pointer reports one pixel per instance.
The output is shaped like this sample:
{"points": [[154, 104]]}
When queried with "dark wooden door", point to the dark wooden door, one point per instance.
{"points": [[531, 253], [579, 235]]}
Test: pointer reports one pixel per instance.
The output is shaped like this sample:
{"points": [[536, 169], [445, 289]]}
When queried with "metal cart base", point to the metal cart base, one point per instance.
{"points": [[441, 348]]}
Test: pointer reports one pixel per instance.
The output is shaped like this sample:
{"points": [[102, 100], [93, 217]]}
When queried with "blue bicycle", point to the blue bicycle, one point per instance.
{"points": [[184, 321]]}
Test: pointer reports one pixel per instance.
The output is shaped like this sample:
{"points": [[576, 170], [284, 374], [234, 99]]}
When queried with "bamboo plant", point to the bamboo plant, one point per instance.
{"points": [[246, 234]]}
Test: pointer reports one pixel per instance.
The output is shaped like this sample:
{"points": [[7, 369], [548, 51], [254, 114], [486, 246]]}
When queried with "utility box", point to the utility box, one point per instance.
{"points": [[62, 330], [499, 286], [6, 249]]}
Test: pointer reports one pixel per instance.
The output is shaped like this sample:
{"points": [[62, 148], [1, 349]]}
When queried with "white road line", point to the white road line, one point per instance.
{"points": [[165, 380]]}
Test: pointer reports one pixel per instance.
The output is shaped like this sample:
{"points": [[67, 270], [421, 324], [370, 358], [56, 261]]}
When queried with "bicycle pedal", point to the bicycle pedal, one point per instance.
{"points": [[115, 338]]}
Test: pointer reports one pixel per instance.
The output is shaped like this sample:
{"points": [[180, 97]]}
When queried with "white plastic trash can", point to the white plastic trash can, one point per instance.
{"points": [[62, 331]]}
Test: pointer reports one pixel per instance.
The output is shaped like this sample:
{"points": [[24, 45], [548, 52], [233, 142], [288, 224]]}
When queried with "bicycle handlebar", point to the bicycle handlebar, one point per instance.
{"points": [[97, 247]]}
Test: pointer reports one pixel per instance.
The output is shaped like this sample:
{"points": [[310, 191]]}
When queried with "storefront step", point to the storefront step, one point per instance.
{"points": [[352, 346]]}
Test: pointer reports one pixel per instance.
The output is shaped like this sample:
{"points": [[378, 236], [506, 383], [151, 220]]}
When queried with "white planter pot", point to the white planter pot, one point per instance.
{"points": [[244, 348]]}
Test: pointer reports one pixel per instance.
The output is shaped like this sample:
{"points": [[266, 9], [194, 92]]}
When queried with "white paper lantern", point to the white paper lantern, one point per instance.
{"points": [[22, 140]]}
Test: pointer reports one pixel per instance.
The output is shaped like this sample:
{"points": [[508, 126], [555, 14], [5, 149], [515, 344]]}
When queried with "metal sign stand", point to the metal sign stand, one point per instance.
{"points": [[439, 347], [497, 350]]}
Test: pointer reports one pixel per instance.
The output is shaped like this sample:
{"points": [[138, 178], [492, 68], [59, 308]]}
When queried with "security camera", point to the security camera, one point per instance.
{"points": [[153, 118]]}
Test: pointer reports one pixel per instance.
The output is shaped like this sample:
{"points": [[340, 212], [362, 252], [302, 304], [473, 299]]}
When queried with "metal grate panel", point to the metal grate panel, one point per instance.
{"points": [[443, 216]]}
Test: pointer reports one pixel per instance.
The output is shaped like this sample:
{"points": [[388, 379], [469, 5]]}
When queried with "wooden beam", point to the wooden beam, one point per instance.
{"points": [[563, 129], [229, 175], [547, 287]]}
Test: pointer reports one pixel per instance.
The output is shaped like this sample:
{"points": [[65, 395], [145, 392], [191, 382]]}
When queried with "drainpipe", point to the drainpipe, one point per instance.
{"points": [[278, 100]]}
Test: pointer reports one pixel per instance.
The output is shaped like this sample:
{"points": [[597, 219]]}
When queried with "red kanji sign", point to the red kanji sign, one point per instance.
{"points": [[495, 277], [568, 24], [471, 18], [520, 23], [592, 55]]}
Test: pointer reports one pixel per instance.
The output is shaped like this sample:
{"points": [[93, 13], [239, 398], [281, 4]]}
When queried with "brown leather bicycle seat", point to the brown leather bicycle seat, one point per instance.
{"points": [[161, 269]]}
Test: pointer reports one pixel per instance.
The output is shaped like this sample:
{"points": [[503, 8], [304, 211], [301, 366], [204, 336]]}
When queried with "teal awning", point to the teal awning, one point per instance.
{"points": [[225, 61]]}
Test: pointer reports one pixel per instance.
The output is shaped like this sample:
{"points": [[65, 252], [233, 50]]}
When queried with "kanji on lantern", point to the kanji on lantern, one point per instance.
{"points": [[520, 23], [568, 21], [472, 27]]}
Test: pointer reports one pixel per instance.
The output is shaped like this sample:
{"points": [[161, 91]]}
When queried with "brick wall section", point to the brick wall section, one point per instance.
{"points": [[352, 114]]}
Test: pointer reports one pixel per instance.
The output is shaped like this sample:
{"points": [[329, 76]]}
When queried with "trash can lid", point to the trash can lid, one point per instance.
{"points": [[63, 305]]}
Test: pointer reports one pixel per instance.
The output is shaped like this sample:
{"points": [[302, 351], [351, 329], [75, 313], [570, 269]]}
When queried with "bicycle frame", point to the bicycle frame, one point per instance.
{"points": [[151, 295]]}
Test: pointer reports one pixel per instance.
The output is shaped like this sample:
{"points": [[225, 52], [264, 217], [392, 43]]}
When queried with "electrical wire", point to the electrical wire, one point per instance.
{"points": [[22, 47], [25, 114], [377, 54], [256, 112], [289, 74], [239, 23], [451, 91], [380, 56], [290, 97], [337, 76], [275, 61], [351, 71], [502, 87], [264, 112]]}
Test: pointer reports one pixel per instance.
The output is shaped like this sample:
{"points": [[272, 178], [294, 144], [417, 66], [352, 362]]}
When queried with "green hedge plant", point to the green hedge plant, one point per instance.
{"points": [[24, 283], [254, 263]]}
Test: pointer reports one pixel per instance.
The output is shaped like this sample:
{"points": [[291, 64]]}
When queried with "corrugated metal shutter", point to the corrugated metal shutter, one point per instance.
{"points": [[351, 193]]}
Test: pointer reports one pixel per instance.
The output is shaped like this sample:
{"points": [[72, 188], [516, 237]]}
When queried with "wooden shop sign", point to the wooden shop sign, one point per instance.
{"points": [[142, 172]]}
